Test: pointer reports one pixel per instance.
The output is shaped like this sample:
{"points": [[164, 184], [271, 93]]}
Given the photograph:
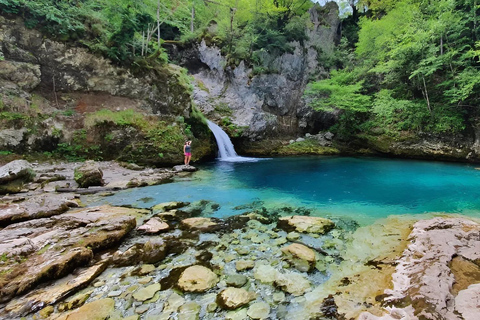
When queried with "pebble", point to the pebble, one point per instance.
{"points": [[241, 265], [259, 310], [144, 280], [115, 293], [236, 280], [142, 309], [293, 236]]}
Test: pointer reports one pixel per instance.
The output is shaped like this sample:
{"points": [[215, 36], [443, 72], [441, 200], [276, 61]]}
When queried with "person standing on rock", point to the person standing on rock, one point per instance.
{"points": [[187, 151]]}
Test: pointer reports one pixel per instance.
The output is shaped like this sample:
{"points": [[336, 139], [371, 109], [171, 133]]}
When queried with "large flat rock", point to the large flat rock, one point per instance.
{"points": [[49, 248], [53, 292], [430, 268], [36, 206]]}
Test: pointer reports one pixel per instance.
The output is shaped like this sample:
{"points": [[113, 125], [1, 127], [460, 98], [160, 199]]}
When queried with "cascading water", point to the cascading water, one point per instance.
{"points": [[226, 151]]}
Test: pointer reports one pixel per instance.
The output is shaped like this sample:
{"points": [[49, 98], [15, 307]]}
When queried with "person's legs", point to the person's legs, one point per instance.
{"points": [[188, 160]]}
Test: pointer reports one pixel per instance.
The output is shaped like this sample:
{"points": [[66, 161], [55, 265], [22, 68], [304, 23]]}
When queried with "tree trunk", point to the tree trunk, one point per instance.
{"points": [[158, 24], [426, 95], [192, 18]]}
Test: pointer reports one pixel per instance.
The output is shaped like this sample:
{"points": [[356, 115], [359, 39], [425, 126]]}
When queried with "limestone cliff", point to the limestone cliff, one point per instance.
{"points": [[268, 105], [59, 97]]}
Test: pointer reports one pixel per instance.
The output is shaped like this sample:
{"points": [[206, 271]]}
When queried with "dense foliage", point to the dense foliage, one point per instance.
{"points": [[126, 29], [415, 69]]}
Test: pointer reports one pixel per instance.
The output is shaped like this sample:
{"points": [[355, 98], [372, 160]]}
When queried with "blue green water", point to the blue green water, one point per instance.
{"points": [[362, 188]]}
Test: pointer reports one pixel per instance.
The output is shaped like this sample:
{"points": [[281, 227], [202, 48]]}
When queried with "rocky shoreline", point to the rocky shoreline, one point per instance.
{"points": [[61, 260]]}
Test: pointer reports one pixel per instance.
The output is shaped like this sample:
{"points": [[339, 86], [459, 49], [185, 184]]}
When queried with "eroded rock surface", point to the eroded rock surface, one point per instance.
{"points": [[36, 206], [423, 281], [49, 248]]}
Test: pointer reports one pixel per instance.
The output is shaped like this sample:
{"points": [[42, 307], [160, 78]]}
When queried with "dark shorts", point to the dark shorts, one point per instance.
{"points": [[188, 154]]}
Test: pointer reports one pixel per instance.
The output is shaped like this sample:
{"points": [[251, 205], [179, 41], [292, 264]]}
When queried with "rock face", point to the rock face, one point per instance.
{"points": [[305, 224], [253, 102], [197, 279], [58, 86], [52, 247], [89, 174], [14, 174], [430, 282]]}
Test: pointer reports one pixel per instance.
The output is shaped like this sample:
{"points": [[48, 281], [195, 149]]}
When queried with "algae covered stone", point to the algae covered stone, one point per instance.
{"points": [[96, 310], [305, 224], [259, 310], [302, 257], [197, 279], [201, 224], [89, 174], [233, 298], [146, 293]]}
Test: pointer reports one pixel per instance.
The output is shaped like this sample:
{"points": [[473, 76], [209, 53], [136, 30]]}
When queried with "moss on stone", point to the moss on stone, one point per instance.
{"points": [[308, 146]]}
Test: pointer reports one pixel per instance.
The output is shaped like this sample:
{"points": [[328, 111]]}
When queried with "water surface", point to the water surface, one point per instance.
{"points": [[365, 189]]}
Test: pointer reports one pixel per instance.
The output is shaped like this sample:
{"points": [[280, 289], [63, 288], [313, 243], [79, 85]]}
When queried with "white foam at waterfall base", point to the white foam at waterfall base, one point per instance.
{"points": [[226, 151]]}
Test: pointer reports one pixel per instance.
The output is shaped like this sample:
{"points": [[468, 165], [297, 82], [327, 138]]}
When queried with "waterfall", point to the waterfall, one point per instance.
{"points": [[226, 151]]}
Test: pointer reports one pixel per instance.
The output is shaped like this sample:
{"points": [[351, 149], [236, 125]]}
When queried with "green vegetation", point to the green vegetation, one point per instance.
{"points": [[308, 146], [415, 68], [121, 118], [129, 31]]}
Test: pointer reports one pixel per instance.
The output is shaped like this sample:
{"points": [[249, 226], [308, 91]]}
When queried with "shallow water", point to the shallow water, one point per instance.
{"points": [[365, 189]]}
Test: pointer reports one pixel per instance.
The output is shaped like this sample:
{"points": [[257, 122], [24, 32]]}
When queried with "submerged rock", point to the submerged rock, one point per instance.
{"points": [[292, 282], [302, 257], [305, 224], [189, 311], [89, 174], [259, 310], [233, 298], [146, 293], [167, 206], [96, 310], [197, 279], [151, 251], [201, 224]]}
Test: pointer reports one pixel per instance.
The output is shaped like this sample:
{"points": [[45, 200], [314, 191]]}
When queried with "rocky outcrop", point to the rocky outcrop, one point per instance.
{"points": [[55, 292], [36, 206], [270, 104], [52, 90], [437, 274], [43, 249]]}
